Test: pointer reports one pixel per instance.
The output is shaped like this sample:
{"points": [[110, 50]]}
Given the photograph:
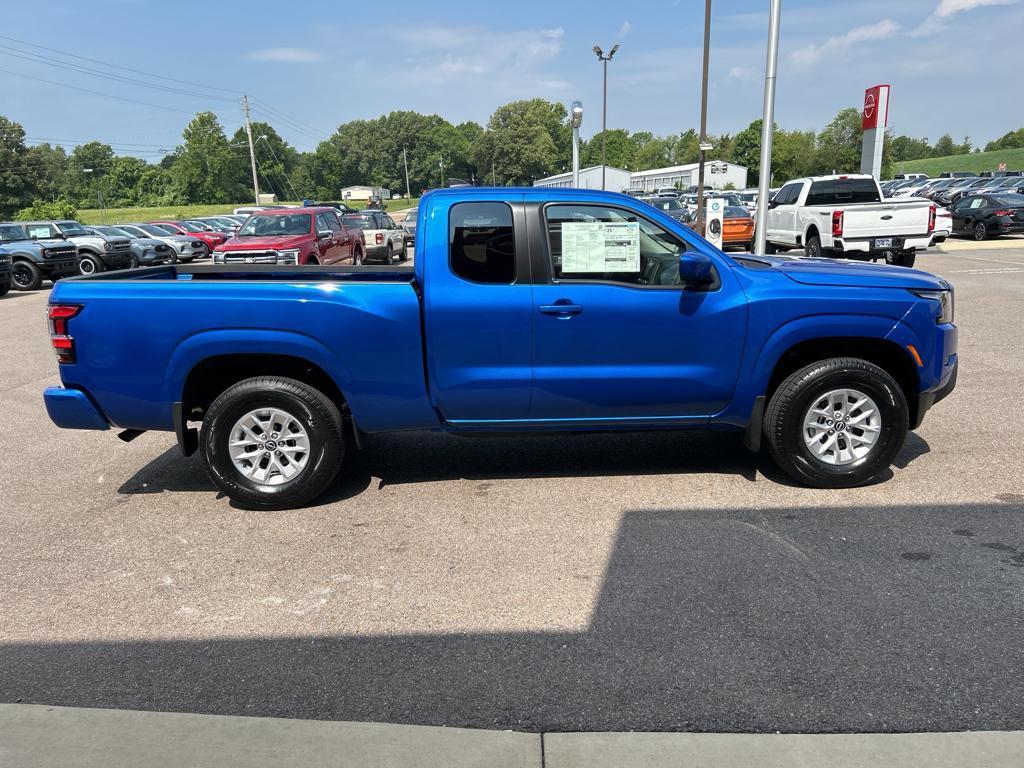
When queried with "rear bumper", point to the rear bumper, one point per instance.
{"points": [[868, 244], [72, 409], [376, 251]]}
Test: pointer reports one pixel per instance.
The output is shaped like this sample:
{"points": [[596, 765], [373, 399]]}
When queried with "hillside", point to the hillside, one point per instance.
{"points": [[974, 162]]}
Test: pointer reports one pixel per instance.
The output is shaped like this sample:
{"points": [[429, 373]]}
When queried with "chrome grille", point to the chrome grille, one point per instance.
{"points": [[251, 257], [122, 245], [59, 253]]}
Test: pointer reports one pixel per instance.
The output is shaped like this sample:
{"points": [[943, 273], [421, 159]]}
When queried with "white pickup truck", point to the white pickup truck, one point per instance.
{"points": [[847, 217]]}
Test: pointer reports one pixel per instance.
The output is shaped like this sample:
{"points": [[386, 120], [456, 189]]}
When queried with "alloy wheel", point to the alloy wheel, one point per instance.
{"points": [[841, 427]]}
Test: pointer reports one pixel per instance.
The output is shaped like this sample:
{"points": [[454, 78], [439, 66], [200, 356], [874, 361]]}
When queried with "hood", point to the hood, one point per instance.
{"points": [[857, 274], [277, 242]]}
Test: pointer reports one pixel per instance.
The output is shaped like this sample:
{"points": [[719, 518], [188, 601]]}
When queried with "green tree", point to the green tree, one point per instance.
{"points": [[525, 140], [276, 160], [88, 165], [1009, 140], [945, 146], [201, 170], [839, 144], [46, 209], [907, 148], [16, 180], [48, 170], [619, 153]]}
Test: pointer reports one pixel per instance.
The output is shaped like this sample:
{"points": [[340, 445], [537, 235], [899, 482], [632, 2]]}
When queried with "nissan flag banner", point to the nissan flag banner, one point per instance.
{"points": [[874, 118]]}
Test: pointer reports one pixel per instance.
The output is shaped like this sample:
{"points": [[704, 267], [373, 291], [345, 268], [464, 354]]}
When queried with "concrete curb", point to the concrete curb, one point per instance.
{"points": [[39, 736], [36, 736], [955, 246], [981, 749]]}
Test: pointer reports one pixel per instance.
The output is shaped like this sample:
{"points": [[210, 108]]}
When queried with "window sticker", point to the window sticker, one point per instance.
{"points": [[600, 246]]}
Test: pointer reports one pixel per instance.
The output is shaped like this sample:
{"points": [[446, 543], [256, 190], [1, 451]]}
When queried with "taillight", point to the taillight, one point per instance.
{"points": [[931, 217], [63, 344], [837, 223], [1007, 212], [380, 239]]}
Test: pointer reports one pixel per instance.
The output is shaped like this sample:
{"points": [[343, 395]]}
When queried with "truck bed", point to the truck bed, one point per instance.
{"points": [[140, 333]]}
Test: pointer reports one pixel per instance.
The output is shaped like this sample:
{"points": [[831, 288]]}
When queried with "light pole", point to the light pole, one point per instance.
{"points": [[704, 144], [575, 120], [405, 162], [767, 125], [604, 110]]}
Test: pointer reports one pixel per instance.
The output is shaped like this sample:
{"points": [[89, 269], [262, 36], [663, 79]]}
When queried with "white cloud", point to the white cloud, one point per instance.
{"points": [[624, 30], [287, 55], [947, 9], [742, 73], [840, 43]]}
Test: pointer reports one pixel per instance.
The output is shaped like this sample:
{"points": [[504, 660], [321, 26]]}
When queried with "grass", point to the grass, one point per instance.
{"points": [[974, 162], [174, 212]]}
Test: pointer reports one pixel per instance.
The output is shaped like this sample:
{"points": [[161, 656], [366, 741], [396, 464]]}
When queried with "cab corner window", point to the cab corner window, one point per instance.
{"points": [[481, 242], [598, 243]]}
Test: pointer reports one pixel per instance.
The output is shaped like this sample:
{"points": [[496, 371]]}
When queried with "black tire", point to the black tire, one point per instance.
{"points": [[357, 258], [134, 264], [314, 411], [389, 255], [812, 248], [901, 258], [784, 428], [26, 276], [89, 264], [979, 231], [405, 252], [4, 288]]}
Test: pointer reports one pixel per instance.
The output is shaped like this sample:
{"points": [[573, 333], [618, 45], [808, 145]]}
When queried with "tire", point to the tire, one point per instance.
{"points": [[89, 264], [26, 276], [309, 412], [979, 231], [4, 288], [134, 264], [770, 249], [901, 258], [357, 258], [389, 255], [812, 248], [790, 437]]}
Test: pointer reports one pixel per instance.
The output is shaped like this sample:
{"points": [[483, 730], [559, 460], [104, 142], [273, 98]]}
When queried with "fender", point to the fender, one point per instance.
{"points": [[756, 371], [240, 341]]}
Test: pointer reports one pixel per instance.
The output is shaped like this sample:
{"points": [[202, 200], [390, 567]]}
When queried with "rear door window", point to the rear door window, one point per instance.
{"points": [[842, 191], [481, 242]]}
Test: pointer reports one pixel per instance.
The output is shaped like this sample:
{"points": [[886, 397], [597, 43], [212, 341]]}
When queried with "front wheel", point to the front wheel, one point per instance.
{"points": [[836, 423], [89, 265], [4, 288], [26, 276], [272, 443]]}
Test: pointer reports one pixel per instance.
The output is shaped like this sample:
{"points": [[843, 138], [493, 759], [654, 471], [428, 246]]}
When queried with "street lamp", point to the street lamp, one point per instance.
{"points": [[604, 112], [575, 120], [705, 145]]}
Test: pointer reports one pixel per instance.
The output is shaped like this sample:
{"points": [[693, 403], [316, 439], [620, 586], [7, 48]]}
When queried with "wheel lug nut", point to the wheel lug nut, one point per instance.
{"points": [[831, 431], [273, 436]]}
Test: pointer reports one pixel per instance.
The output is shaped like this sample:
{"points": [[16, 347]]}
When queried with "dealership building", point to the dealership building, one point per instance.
{"points": [[717, 175]]}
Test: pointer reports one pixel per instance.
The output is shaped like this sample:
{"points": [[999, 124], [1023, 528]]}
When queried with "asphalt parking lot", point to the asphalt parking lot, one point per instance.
{"points": [[663, 581]]}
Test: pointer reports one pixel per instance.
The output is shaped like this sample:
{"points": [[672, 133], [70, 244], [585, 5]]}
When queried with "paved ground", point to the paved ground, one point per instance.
{"points": [[652, 582]]}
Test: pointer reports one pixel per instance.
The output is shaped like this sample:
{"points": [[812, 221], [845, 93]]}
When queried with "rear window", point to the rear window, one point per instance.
{"points": [[736, 212], [841, 191], [481, 242], [1011, 200]]}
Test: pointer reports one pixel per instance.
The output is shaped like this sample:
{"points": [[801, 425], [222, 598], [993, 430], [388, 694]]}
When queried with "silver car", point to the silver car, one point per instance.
{"points": [[185, 248]]}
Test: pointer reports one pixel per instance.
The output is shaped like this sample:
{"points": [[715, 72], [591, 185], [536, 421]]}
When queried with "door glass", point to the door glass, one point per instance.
{"points": [[597, 243], [482, 243]]}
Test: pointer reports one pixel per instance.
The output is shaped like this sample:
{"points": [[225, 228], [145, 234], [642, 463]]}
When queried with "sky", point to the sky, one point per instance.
{"points": [[953, 64]]}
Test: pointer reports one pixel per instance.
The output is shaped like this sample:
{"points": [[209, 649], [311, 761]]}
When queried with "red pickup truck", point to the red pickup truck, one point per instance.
{"points": [[293, 236]]}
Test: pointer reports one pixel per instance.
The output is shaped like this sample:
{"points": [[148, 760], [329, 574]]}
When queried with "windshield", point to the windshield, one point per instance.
{"points": [[270, 226], [12, 232], [411, 215], [118, 232], [154, 229], [195, 226], [72, 228]]}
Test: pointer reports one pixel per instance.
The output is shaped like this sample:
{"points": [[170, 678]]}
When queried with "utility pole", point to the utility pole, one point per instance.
{"points": [[575, 120], [604, 109], [767, 125], [442, 172], [494, 174], [252, 153], [405, 162], [703, 113]]}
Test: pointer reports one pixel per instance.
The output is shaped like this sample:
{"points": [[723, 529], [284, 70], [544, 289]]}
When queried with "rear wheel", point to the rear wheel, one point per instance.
{"points": [[272, 443], [813, 247], [979, 231], [389, 255], [26, 276], [357, 258], [836, 423], [901, 258]]}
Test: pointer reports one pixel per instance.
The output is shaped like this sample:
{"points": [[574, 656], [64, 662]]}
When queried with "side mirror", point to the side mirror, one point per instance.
{"points": [[694, 268], [772, 203], [323, 233]]}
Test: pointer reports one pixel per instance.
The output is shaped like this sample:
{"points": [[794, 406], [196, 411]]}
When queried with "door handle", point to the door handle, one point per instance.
{"points": [[561, 309]]}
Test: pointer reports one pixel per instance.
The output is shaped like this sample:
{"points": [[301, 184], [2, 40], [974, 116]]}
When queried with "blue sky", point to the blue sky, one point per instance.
{"points": [[953, 64]]}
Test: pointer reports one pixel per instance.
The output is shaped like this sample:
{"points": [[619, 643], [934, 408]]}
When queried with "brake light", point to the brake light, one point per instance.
{"points": [[380, 238], [1006, 212], [837, 223], [63, 344], [932, 210]]}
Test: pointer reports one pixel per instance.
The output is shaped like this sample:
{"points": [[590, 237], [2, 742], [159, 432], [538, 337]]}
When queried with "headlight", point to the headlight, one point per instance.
{"points": [[945, 300], [218, 257], [288, 257]]}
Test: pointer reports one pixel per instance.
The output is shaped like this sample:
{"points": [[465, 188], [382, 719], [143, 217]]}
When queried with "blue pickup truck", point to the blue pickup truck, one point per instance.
{"points": [[526, 310]]}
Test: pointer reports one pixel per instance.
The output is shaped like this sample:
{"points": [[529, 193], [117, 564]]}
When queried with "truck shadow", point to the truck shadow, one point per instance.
{"points": [[420, 457], [802, 619]]}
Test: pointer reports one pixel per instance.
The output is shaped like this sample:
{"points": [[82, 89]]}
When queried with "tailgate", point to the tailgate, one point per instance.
{"points": [[883, 220]]}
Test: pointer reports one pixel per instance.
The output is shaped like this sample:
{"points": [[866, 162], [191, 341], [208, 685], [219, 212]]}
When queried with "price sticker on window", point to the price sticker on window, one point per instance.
{"points": [[600, 246]]}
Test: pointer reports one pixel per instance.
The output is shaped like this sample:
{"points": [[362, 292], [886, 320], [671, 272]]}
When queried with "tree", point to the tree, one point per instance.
{"points": [[276, 159], [525, 140], [945, 146], [49, 171], [201, 172], [15, 177], [619, 153], [839, 144], [45, 209], [1010, 140], [906, 148]]}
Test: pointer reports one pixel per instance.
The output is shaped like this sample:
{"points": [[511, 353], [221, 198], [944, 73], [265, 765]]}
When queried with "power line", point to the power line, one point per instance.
{"points": [[283, 171], [115, 66]]}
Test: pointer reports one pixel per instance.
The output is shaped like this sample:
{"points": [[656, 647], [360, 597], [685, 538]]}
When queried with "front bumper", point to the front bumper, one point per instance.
{"points": [[118, 260], [940, 374], [60, 268], [72, 409]]}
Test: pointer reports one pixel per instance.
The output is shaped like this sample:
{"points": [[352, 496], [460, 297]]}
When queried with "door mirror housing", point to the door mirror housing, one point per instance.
{"points": [[695, 268]]}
